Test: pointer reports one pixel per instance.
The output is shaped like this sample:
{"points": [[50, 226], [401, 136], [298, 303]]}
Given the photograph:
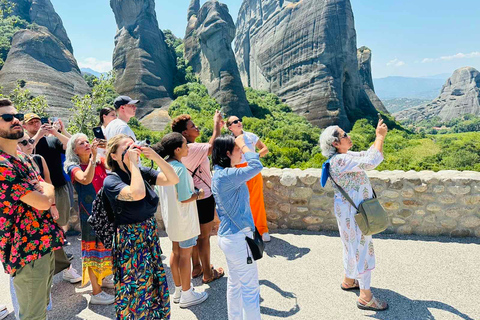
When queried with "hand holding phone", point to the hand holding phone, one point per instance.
{"points": [[44, 120]]}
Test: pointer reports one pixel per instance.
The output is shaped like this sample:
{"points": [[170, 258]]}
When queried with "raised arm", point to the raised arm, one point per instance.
{"points": [[136, 190], [217, 129], [86, 177], [254, 167], [167, 176]]}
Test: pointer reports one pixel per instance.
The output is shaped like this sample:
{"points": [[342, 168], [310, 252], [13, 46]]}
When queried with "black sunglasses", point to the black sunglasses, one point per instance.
{"points": [[26, 141], [236, 121], [9, 117]]}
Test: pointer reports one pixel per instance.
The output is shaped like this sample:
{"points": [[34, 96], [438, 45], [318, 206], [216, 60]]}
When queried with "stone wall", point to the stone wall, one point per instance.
{"points": [[425, 203]]}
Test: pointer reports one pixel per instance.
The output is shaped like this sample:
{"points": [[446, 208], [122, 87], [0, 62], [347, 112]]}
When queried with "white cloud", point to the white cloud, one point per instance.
{"points": [[395, 63], [95, 64], [474, 54]]}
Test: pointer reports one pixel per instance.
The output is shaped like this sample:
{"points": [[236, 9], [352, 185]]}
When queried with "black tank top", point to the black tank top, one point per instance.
{"points": [[38, 161]]}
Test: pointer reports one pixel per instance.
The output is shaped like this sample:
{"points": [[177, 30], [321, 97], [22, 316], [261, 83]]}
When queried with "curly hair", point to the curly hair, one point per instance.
{"points": [[179, 124]]}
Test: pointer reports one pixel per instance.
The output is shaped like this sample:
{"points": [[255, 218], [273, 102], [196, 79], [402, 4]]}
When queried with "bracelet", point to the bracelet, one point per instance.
{"points": [[198, 195]]}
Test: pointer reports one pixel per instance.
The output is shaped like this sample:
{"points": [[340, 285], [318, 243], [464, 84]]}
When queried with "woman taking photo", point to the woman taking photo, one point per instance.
{"points": [[87, 174], [231, 196], [255, 185], [348, 168], [141, 290], [179, 212]]}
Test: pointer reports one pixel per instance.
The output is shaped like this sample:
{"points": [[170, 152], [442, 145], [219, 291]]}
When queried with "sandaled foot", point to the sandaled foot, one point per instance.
{"points": [[373, 305], [216, 274], [348, 287], [197, 271]]}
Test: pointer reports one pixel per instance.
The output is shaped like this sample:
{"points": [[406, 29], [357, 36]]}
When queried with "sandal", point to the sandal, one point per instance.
{"points": [[373, 305], [3, 312], [349, 287], [217, 274]]}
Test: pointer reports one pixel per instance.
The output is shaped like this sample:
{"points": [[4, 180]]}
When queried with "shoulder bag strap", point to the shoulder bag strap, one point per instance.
{"points": [[345, 194], [194, 173]]}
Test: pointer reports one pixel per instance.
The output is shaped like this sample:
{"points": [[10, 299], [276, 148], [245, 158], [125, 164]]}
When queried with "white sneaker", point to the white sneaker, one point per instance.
{"points": [[71, 275], [3, 311], [108, 283], [266, 237], [177, 294], [190, 298], [102, 298]]}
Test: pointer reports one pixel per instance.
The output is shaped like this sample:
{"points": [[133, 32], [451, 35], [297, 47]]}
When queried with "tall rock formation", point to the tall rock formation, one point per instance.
{"points": [[364, 57], [305, 51], [47, 66], [144, 65], [42, 13], [460, 95], [208, 50]]}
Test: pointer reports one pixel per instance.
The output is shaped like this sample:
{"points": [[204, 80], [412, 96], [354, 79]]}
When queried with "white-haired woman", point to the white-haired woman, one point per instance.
{"points": [[87, 173], [348, 168]]}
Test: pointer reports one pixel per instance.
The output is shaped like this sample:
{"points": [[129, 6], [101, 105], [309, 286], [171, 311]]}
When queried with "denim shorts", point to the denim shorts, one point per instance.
{"points": [[188, 243]]}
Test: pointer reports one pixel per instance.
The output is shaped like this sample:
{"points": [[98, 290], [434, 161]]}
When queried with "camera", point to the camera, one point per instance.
{"points": [[143, 143]]}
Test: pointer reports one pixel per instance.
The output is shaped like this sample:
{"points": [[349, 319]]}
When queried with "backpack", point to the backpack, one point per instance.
{"points": [[102, 219]]}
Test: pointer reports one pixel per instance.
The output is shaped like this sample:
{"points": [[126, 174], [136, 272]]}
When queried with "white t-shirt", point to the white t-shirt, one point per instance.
{"points": [[118, 126], [180, 219], [251, 140]]}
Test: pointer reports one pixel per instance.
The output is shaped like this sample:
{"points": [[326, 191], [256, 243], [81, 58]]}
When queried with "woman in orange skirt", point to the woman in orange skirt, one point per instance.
{"points": [[255, 185]]}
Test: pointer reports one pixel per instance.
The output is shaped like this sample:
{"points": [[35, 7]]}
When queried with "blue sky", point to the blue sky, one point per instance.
{"points": [[407, 38]]}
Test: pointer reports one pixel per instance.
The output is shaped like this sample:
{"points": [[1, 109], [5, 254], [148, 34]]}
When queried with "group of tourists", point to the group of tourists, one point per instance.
{"points": [[41, 164]]}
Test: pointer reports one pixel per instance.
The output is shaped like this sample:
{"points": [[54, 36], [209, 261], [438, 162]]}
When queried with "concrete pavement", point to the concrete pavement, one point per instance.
{"points": [[420, 277]]}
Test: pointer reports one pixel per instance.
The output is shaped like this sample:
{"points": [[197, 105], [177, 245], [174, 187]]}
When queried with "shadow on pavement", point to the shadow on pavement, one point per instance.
{"points": [[285, 294], [279, 247], [401, 307]]}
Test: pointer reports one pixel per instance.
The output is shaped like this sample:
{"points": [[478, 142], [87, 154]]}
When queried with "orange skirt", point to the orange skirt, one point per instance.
{"points": [[257, 204]]}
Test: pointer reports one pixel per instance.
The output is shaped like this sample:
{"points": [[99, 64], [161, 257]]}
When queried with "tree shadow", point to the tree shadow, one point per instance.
{"points": [[285, 294], [279, 247], [401, 307]]}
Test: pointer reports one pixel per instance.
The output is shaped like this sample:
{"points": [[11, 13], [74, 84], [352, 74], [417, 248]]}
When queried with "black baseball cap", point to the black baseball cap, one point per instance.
{"points": [[123, 100]]}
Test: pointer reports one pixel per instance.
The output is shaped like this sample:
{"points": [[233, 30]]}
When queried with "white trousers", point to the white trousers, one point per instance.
{"points": [[243, 289], [364, 280]]}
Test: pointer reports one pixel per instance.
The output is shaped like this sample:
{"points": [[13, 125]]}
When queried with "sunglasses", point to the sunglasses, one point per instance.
{"points": [[25, 142], [344, 135], [9, 117], [236, 121]]}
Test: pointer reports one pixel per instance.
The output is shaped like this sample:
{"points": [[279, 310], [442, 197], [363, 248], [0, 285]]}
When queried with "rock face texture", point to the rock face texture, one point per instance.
{"points": [[305, 51], [42, 13], [364, 57], [460, 95], [208, 50], [144, 64], [47, 66]]}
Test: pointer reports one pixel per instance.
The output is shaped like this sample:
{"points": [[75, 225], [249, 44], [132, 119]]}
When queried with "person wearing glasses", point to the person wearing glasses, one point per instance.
{"points": [[28, 233], [255, 185], [348, 170], [126, 108]]}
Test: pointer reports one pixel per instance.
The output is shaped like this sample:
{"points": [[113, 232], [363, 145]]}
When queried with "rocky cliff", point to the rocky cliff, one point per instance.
{"points": [[144, 64], [305, 51], [364, 57], [47, 66], [42, 13], [460, 95], [208, 50]]}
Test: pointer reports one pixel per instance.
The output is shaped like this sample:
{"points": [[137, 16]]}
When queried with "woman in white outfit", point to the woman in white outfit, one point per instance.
{"points": [[348, 168], [233, 207]]}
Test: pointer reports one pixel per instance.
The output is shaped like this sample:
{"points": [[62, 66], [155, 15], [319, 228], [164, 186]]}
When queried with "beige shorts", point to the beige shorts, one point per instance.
{"points": [[62, 201]]}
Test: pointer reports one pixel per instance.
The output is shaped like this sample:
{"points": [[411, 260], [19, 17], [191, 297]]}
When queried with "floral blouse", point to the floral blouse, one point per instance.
{"points": [[26, 234]]}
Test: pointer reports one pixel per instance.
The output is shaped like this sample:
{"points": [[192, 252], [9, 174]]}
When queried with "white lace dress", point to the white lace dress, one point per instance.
{"points": [[348, 170]]}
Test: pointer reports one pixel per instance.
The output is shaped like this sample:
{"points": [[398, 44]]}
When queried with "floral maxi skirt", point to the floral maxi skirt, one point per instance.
{"points": [[141, 290]]}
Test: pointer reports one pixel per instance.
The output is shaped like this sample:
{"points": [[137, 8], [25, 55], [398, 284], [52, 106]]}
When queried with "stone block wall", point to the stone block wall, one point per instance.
{"points": [[424, 203]]}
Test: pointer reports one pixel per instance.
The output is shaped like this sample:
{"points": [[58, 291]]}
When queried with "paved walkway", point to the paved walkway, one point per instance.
{"points": [[422, 278]]}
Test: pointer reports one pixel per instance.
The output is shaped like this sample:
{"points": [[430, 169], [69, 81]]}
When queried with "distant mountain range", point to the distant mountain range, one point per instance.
{"points": [[90, 71], [425, 88]]}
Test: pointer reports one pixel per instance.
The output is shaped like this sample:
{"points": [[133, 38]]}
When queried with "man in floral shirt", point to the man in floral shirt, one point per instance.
{"points": [[28, 233]]}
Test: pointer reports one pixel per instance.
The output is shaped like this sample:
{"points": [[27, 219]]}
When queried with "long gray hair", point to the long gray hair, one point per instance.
{"points": [[71, 158], [327, 138]]}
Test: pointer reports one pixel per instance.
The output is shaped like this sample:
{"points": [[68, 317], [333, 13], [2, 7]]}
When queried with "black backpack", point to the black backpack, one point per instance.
{"points": [[102, 219]]}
